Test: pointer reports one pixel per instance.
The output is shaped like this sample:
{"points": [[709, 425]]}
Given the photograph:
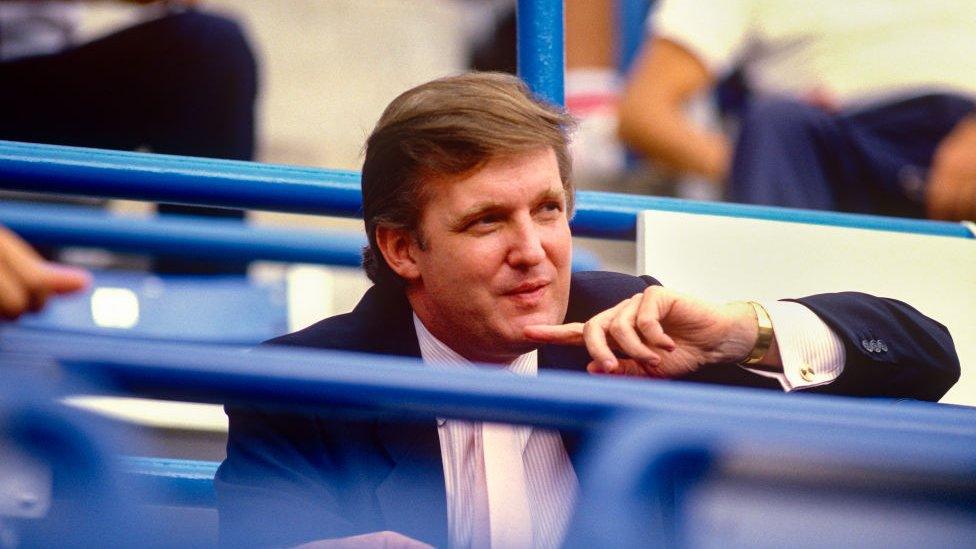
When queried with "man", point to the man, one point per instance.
{"points": [[466, 200], [853, 105]]}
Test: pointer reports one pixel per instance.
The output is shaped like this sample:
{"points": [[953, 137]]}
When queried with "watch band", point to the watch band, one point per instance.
{"points": [[765, 339]]}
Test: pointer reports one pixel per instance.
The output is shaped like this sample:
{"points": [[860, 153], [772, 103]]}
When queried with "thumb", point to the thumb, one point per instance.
{"points": [[62, 279], [560, 334]]}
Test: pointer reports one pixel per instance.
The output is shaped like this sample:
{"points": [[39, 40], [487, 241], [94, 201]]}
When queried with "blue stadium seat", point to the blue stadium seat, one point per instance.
{"points": [[218, 310], [685, 483]]}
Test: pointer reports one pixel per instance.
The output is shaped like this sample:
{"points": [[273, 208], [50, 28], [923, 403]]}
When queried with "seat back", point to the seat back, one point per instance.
{"points": [[218, 310], [685, 483]]}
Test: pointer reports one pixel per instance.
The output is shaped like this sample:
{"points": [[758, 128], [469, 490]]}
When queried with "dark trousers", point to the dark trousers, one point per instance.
{"points": [[872, 160], [183, 84]]}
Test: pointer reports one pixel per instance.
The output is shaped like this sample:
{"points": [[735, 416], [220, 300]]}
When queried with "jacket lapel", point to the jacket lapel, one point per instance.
{"points": [[412, 497]]}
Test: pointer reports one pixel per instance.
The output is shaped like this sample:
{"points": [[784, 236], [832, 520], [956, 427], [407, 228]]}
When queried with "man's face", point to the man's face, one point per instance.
{"points": [[496, 256]]}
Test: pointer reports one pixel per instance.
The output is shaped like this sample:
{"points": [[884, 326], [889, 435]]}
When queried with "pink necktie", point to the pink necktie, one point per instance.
{"points": [[508, 501]]}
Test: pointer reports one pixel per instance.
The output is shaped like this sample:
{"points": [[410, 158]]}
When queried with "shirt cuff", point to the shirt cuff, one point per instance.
{"points": [[812, 353]]}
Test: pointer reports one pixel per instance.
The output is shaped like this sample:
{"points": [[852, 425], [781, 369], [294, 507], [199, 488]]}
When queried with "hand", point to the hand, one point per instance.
{"points": [[26, 280], [385, 540], [663, 333], [951, 190]]}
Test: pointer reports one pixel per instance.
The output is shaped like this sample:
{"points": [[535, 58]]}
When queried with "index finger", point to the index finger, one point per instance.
{"points": [[62, 279], [559, 334]]}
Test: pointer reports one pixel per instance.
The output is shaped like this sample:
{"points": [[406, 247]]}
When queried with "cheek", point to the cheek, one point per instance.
{"points": [[473, 260], [560, 246]]}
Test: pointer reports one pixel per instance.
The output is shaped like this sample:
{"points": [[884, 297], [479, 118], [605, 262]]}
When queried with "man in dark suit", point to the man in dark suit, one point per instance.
{"points": [[466, 198]]}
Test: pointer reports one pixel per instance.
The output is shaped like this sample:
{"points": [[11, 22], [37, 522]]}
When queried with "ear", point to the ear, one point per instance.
{"points": [[399, 250]]}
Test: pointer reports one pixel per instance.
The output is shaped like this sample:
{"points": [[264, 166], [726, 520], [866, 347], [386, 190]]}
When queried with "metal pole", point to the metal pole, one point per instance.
{"points": [[540, 40]]}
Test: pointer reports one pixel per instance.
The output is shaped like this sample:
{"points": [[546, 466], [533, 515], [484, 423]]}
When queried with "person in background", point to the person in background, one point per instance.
{"points": [[27, 281], [178, 81], [859, 106]]}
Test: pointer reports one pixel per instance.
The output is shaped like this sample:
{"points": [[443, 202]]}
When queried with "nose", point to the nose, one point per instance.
{"points": [[526, 247]]}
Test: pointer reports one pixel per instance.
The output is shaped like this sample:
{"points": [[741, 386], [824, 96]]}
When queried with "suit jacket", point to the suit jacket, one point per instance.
{"points": [[290, 478]]}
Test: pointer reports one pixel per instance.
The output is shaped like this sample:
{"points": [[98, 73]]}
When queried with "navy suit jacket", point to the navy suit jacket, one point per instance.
{"points": [[290, 478]]}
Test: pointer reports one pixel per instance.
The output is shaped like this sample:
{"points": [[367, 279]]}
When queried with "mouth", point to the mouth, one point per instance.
{"points": [[528, 293]]}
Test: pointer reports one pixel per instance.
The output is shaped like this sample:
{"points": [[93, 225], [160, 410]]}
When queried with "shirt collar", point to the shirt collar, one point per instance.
{"points": [[437, 354]]}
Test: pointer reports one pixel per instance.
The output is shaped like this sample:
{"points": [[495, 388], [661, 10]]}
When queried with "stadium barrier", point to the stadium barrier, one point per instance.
{"points": [[369, 385]]}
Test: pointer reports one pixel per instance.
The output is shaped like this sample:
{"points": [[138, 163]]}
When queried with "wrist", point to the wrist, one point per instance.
{"points": [[741, 334], [765, 340]]}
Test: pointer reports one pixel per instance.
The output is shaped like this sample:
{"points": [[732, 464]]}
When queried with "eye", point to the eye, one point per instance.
{"points": [[488, 219], [485, 222], [550, 209]]}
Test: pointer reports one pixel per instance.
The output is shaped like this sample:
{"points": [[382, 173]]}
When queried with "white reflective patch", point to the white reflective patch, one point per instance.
{"points": [[115, 308], [311, 295]]}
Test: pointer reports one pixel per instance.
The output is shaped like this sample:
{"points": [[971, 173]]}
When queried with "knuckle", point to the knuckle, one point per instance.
{"points": [[592, 334], [619, 327], [646, 324], [589, 327]]}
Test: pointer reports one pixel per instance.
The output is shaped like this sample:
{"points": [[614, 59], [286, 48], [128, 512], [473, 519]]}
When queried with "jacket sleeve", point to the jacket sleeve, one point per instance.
{"points": [[892, 350], [286, 479]]}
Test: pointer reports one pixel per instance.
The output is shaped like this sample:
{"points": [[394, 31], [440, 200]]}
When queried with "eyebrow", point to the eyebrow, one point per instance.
{"points": [[480, 208]]}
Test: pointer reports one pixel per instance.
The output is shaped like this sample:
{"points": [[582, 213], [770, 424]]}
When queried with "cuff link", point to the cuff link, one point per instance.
{"points": [[806, 372]]}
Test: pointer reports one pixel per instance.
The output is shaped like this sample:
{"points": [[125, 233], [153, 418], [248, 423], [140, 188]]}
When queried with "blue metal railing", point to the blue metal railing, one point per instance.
{"points": [[333, 381], [250, 185], [184, 236]]}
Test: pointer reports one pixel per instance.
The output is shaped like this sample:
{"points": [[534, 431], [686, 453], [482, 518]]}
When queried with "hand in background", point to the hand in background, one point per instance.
{"points": [[663, 333], [26, 280], [951, 190]]}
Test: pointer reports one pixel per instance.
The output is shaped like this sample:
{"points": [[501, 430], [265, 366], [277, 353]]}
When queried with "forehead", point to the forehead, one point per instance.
{"points": [[506, 180]]}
